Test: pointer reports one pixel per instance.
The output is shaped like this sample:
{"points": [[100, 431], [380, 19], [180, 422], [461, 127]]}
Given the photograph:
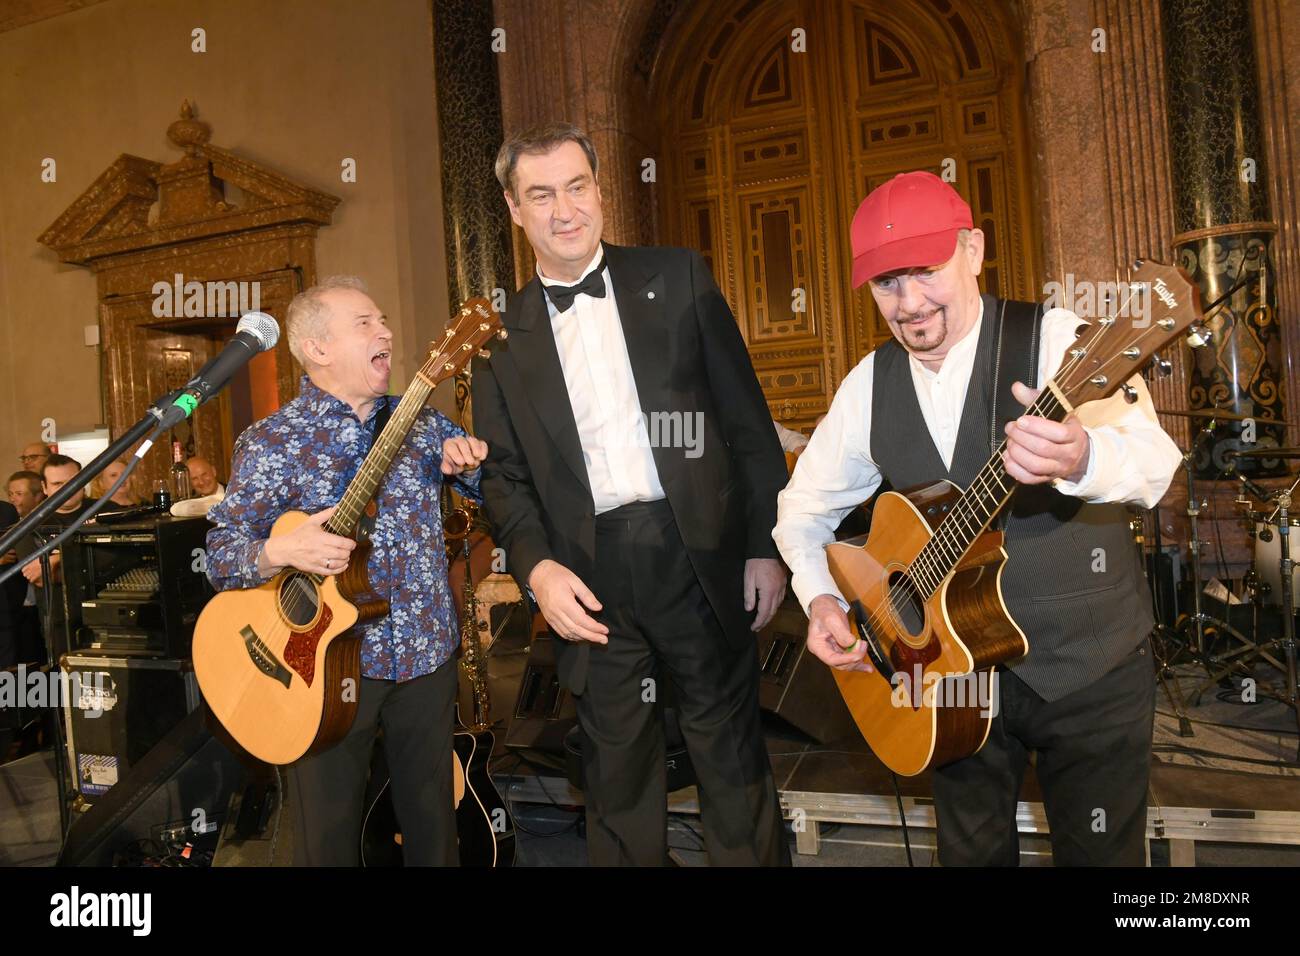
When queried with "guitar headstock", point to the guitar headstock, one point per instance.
{"points": [[1160, 304], [466, 336]]}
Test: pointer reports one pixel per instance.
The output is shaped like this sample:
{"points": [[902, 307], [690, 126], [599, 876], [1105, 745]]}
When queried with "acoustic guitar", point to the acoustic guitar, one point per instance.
{"points": [[280, 664], [924, 585]]}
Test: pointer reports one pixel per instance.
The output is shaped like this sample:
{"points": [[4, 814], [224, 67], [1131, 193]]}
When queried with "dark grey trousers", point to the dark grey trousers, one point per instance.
{"points": [[1093, 765], [329, 788]]}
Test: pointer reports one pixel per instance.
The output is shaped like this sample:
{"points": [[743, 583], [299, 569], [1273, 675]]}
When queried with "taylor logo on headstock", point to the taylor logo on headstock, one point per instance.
{"points": [[1165, 295]]}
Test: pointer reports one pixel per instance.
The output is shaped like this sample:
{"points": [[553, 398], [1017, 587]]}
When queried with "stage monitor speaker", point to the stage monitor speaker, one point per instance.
{"points": [[795, 686], [185, 781], [544, 711], [117, 709]]}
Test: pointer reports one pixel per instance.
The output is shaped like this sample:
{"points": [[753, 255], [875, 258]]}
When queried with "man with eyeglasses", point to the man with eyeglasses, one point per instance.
{"points": [[33, 456]]}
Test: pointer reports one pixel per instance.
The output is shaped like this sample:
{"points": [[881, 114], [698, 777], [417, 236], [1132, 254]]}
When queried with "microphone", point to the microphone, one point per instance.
{"points": [[1263, 494], [256, 332]]}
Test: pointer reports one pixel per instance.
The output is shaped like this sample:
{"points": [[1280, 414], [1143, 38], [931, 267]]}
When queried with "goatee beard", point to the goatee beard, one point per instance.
{"points": [[923, 342]]}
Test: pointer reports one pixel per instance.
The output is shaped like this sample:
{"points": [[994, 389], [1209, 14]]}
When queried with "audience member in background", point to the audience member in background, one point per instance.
{"points": [[12, 593], [57, 472], [33, 456], [24, 488], [25, 492], [792, 442], [203, 478], [128, 496]]}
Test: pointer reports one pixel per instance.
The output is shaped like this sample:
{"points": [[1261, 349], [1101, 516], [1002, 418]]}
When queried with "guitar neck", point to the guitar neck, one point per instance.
{"points": [[991, 488], [362, 487]]}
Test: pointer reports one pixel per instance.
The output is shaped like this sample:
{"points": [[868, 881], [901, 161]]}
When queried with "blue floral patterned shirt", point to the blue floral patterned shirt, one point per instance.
{"points": [[302, 458]]}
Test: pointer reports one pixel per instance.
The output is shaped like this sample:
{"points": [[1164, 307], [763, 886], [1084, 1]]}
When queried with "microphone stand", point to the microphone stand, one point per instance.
{"points": [[152, 420], [61, 755], [1288, 604]]}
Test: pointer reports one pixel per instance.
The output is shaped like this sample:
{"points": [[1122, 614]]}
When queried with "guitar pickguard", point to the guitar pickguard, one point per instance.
{"points": [[910, 663], [300, 652]]}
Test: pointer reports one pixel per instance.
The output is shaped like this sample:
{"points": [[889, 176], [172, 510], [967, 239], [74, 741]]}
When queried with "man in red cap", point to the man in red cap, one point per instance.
{"points": [[934, 404]]}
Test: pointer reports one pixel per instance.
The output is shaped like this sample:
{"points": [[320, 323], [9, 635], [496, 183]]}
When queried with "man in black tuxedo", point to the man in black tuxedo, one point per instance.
{"points": [[632, 480]]}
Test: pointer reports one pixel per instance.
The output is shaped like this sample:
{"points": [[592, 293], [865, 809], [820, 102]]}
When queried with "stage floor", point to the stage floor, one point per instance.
{"points": [[1193, 799]]}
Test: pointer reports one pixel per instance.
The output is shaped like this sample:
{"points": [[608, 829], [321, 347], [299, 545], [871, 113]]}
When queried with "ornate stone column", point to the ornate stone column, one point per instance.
{"points": [[475, 220], [1223, 221]]}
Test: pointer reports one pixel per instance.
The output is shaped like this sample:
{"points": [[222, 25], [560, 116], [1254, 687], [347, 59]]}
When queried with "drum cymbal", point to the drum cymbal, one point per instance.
{"points": [[1222, 415], [1267, 453]]}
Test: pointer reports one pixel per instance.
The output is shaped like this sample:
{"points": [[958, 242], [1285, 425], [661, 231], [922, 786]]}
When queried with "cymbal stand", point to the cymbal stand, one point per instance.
{"points": [[1237, 660], [1162, 636], [1288, 605], [1199, 619]]}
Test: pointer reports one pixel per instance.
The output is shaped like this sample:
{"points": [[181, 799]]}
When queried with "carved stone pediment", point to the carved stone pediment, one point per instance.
{"points": [[179, 251], [137, 204]]}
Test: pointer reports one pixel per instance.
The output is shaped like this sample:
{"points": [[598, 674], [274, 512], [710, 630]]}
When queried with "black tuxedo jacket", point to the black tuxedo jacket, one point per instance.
{"points": [[687, 357]]}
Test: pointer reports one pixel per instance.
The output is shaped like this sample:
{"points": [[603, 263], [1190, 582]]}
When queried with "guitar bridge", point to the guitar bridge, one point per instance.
{"points": [[263, 659]]}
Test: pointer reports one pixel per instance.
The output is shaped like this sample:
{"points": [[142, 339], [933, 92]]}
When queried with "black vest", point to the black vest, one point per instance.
{"points": [[1073, 579]]}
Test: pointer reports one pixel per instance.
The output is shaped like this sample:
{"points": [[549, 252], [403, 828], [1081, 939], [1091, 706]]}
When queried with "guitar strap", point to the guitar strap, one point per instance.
{"points": [[1015, 359], [366, 523]]}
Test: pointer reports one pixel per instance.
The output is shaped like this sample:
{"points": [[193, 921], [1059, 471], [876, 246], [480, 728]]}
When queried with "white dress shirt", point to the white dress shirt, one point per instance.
{"points": [[598, 375], [1131, 459], [790, 439]]}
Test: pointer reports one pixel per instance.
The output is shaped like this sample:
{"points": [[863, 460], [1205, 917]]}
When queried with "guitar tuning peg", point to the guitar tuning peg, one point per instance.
{"points": [[1162, 367], [484, 353], [1130, 393], [503, 334], [1198, 336]]}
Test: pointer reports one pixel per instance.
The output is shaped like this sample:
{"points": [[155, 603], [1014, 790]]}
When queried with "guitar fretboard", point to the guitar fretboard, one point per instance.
{"points": [[974, 510], [362, 487]]}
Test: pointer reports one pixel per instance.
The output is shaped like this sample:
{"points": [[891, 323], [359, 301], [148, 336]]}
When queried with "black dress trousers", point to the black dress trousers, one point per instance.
{"points": [[329, 788], [661, 624], [1093, 763]]}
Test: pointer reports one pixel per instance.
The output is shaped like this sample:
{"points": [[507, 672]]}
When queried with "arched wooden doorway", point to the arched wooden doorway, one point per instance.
{"points": [[777, 117]]}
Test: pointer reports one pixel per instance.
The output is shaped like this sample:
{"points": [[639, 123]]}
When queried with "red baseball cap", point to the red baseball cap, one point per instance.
{"points": [[912, 220]]}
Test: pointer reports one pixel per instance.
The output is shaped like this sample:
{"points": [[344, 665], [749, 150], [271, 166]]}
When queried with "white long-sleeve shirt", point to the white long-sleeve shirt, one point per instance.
{"points": [[598, 374], [1131, 458]]}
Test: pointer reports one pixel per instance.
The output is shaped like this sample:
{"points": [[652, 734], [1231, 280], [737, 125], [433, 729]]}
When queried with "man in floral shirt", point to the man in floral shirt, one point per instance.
{"points": [[301, 458]]}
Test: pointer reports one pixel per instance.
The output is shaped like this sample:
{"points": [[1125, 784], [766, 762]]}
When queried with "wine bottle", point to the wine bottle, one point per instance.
{"points": [[180, 474]]}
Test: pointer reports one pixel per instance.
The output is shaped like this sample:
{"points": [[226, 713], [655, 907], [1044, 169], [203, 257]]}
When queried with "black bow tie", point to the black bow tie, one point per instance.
{"points": [[594, 285]]}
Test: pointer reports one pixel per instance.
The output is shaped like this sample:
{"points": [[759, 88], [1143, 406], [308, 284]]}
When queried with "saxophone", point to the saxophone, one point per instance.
{"points": [[459, 527]]}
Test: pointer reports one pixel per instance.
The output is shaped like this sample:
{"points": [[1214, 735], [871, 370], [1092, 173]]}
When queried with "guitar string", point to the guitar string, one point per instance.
{"points": [[292, 596], [950, 541], [292, 593], [948, 534], [932, 575], [932, 579], [927, 565]]}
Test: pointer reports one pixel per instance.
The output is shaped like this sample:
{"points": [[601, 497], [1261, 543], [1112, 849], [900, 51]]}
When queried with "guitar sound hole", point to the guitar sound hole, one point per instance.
{"points": [[299, 599], [907, 603]]}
